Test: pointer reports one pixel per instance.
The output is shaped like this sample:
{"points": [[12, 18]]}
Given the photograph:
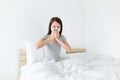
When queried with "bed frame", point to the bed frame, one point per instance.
{"points": [[22, 56], [22, 60]]}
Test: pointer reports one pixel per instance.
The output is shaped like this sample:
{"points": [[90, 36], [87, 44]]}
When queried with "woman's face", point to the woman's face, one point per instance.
{"points": [[55, 26]]}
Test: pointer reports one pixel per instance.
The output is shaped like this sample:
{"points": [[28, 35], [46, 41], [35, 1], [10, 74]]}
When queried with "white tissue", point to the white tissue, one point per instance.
{"points": [[52, 29]]}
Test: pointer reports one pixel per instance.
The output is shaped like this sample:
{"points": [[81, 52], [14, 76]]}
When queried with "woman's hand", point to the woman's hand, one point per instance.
{"points": [[52, 36], [56, 34]]}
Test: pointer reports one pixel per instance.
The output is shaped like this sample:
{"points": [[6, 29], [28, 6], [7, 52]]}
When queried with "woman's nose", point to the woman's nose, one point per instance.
{"points": [[56, 28]]}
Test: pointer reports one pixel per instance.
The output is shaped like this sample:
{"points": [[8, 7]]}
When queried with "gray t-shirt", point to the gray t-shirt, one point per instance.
{"points": [[52, 50]]}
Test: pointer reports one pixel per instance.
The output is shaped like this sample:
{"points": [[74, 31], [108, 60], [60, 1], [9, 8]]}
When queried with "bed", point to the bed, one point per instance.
{"points": [[78, 65]]}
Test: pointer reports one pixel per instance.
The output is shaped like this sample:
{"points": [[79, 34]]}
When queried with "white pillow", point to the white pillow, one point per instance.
{"points": [[33, 55]]}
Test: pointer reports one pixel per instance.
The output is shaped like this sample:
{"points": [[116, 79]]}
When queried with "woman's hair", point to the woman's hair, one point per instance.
{"points": [[58, 20]]}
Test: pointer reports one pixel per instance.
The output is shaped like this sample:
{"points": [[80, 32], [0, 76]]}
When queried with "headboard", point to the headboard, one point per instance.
{"points": [[22, 57], [22, 60]]}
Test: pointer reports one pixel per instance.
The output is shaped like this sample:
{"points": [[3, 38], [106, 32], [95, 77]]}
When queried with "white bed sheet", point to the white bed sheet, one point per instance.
{"points": [[76, 67]]}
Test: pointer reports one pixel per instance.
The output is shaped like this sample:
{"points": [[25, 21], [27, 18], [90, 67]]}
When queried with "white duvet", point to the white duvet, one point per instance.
{"points": [[80, 66]]}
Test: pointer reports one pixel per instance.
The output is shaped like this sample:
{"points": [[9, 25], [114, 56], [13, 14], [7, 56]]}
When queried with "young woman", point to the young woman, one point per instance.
{"points": [[53, 40]]}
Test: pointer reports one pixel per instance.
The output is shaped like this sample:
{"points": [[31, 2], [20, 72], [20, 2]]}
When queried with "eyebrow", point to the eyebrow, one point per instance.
{"points": [[55, 26]]}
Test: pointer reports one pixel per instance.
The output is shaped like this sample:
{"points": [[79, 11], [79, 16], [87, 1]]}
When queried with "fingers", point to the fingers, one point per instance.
{"points": [[55, 34]]}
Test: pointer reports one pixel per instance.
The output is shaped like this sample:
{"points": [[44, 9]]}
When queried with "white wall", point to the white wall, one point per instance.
{"points": [[8, 49], [33, 18], [102, 26], [28, 20]]}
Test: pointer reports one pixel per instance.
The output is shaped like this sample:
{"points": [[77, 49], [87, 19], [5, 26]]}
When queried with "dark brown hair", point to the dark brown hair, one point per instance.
{"points": [[58, 20]]}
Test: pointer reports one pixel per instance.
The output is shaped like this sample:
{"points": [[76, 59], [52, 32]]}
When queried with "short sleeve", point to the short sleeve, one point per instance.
{"points": [[45, 36], [63, 37]]}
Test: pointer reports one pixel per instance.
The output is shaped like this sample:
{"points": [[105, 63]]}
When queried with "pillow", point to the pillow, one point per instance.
{"points": [[33, 55]]}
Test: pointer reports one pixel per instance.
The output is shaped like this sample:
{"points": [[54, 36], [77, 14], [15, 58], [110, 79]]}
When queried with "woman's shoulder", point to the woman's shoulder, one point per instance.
{"points": [[45, 36], [62, 37]]}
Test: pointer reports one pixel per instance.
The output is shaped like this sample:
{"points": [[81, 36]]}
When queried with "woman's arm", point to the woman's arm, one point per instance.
{"points": [[41, 43], [64, 44], [44, 41]]}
